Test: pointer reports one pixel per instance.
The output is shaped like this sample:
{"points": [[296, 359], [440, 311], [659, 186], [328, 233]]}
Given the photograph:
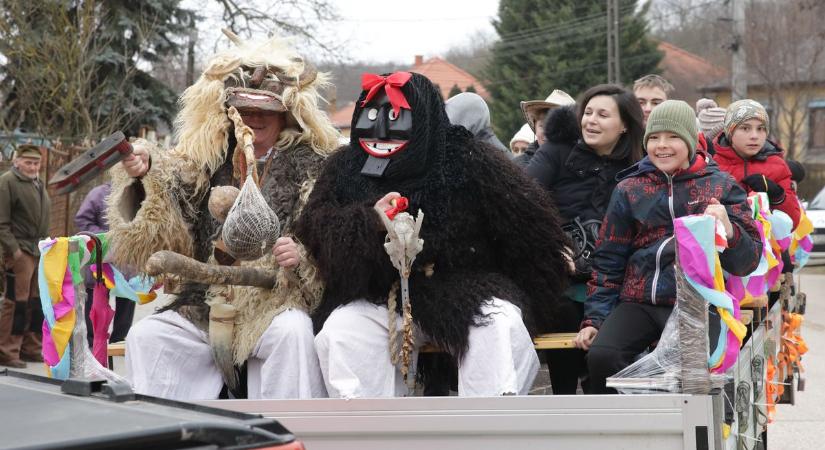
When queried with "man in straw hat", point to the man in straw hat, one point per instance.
{"points": [[24, 220], [261, 343], [536, 110]]}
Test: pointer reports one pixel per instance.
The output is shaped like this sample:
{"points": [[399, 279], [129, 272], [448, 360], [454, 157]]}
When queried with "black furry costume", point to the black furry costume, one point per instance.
{"points": [[489, 231]]}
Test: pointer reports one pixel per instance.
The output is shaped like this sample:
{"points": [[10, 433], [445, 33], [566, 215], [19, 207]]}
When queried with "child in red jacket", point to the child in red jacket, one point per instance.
{"points": [[744, 151]]}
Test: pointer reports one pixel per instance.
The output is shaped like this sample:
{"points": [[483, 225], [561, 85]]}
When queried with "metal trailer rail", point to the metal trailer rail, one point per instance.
{"points": [[615, 422]]}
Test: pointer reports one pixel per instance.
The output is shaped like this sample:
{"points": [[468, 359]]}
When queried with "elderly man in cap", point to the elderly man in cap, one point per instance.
{"points": [[535, 112], [24, 220]]}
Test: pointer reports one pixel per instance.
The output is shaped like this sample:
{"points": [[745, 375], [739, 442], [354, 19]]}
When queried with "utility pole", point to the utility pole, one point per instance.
{"points": [[739, 65], [613, 65]]}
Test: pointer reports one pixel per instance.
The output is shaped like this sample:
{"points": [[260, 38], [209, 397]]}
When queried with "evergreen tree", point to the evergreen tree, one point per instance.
{"points": [[559, 44], [139, 31], [75, 69], [455, 90], [470, 88]]}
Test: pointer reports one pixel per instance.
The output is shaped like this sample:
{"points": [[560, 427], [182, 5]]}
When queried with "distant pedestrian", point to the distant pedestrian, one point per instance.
{"points": [[24, 220], [91, 216]]}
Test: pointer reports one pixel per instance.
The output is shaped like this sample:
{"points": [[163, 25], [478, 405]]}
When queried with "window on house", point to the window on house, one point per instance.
{"points": [[816, 130]]}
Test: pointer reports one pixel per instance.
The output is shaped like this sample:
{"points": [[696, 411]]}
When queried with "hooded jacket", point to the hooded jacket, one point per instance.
{"points": [[635, 255], [578, 179], [768, 162], [471, 112]]}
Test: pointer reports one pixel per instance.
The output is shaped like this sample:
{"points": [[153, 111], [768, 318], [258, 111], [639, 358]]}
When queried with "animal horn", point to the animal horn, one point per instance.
{"points": [[306, 77], [232, 36]]}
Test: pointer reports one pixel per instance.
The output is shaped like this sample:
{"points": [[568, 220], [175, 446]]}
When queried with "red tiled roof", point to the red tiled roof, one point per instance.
{"points": [[342, 119], [447, 75], [688, 72], [688, 65]]}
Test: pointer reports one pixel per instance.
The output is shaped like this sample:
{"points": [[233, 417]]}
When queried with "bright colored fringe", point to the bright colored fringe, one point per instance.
{"points": [[700, 238], [59, 279], [697, 240]]}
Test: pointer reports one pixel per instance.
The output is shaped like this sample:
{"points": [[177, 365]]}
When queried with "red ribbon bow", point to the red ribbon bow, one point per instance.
{"points": [[392, 85], [399, 204]]}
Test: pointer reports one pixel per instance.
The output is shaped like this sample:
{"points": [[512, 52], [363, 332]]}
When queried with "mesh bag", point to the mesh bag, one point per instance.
{"points": [[251, 227]]}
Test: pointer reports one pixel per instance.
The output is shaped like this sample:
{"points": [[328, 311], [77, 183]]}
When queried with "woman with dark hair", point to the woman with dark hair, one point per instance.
{"points": [[578, 163]]}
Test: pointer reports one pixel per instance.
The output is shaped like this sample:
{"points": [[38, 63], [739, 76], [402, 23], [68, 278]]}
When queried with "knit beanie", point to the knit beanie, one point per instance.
{"points": [[711, 121], [676, 117], [704, 103], [741, 111], [524, 134]]}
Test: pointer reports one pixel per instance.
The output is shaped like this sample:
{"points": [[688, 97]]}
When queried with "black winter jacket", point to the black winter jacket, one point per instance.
{"points": [[579, 180]]}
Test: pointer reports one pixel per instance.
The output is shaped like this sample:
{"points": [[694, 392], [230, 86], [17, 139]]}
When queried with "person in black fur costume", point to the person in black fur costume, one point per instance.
{"points": [[491, 270]]}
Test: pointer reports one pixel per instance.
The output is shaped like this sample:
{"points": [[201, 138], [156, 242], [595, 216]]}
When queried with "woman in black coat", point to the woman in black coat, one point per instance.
{"points": [[585, 149]]}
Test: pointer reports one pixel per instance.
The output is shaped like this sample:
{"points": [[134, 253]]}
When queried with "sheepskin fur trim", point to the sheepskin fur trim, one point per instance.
{"points": [[202, 127], [145, 214]]}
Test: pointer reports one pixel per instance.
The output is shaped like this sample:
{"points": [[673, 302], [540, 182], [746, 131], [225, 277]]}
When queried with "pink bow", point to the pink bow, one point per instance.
{"points": [[392, 85]]}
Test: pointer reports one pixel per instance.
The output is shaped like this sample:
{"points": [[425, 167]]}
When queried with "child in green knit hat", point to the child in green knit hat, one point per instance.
{"points": [[633, 288]]}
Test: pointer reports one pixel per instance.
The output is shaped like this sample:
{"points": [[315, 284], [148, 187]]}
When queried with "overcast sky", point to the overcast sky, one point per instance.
{"points": [[384, 31], [380, 30]]}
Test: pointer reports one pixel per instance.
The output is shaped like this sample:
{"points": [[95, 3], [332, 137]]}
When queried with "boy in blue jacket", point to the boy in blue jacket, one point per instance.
{"points": [[633, 287]]}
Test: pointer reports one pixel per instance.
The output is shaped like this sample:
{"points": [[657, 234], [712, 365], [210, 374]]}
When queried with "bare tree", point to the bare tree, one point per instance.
{"points": [[698, 26], [52, 80], [786, 52], [474, 55], [302, 18]]}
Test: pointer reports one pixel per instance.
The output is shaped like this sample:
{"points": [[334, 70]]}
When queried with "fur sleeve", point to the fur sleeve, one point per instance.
{"points": [[524, 224], [145, 215], [344, 239]]}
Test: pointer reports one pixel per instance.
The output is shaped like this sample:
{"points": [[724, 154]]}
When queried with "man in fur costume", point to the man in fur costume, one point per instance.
{"points": [[159, 201], [491, 268]]}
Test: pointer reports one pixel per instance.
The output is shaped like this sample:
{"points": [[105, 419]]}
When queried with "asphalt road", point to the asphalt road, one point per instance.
{"points": [[798, 426]]}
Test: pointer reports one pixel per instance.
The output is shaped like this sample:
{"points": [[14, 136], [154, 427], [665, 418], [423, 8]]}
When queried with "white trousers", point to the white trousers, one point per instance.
{"points": [[355, 359], [167, 356]]}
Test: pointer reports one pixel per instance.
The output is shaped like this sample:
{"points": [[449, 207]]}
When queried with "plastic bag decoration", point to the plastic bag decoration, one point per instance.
{"points": [[63, 298], [681, 362]]}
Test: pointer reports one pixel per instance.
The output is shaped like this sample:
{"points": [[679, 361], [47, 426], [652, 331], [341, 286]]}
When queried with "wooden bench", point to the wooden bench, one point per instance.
{"points": [[549, 341], [115, 349]]}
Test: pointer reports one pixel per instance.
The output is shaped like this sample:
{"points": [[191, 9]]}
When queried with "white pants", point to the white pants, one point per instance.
{"points": [[167, 356], [355, 359]]}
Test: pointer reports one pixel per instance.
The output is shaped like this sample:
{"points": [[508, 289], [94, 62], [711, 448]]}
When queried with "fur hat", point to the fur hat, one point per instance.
{"points": [[676, 117], [202, 127], [556, 98], [711, 121], [744, 110]]}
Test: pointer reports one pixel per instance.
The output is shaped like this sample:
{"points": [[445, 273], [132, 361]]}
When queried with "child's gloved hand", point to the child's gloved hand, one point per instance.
{"points": [[760, 183]]}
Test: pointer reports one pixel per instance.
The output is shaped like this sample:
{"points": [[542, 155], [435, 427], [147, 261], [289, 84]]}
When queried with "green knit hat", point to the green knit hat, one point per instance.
{"points": [[676, 117]]}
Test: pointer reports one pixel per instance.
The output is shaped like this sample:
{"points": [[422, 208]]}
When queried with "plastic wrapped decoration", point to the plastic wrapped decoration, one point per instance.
{"points": [[681, 361], [63, 297]]}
